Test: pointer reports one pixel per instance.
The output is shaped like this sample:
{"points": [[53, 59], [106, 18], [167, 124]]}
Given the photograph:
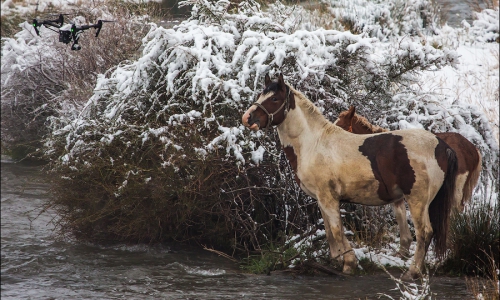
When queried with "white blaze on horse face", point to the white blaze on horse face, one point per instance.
{"points": [[246, 115]]}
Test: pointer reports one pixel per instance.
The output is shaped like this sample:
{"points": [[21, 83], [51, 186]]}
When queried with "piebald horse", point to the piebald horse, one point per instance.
{"points": [[333, 165], [468, 163]]}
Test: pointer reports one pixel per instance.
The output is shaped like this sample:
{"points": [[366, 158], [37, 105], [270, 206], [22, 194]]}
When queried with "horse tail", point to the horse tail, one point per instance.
{"points": [[472, 179], [440, 207]]}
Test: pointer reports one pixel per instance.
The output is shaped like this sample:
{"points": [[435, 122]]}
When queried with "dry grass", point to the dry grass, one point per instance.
{"points": [[320, 16], [478, 6], [485, 288], [474, 241]]}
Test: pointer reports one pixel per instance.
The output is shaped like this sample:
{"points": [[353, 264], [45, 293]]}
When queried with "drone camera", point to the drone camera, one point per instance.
{"points": [[65, 36]]}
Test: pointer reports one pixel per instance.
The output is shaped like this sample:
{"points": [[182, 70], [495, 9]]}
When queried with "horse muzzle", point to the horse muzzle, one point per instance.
{"points": [[249, 121]]}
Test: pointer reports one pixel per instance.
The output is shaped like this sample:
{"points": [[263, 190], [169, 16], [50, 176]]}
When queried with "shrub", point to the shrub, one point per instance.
{"points": [[474, 240]]}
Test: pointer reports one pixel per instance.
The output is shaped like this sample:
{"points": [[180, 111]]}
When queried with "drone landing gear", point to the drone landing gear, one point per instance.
{"points": [[76, 47]]}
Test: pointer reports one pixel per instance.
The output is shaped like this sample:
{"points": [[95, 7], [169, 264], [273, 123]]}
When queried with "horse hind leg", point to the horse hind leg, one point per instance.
{"points": [[423, 232], [459, 194], [471, 181], [405, 237]]}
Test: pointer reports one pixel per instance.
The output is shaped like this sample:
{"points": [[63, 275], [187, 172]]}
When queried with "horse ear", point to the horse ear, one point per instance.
{"points": [[267, 80], [281, 82], [351, 112]]}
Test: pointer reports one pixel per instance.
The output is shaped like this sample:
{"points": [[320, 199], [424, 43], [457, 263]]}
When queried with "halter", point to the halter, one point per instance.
{"points": [[270, 117]]}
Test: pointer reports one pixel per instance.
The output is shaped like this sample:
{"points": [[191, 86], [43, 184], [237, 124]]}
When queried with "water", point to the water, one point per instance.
{"points": [[456, 11], [37, 265]]}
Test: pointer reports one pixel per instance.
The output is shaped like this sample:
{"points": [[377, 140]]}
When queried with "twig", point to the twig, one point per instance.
{"points": [[323, 268], [220, 253]]}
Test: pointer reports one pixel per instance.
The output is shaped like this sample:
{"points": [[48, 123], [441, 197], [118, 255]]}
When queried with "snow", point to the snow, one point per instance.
{"points": [[258, 155]]}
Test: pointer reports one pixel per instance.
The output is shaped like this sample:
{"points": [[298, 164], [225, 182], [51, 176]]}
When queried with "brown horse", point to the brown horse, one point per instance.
{"points": [[333, 165], [468, 156]]}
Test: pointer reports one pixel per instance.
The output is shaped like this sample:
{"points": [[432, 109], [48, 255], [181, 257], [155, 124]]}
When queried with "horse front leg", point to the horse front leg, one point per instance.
{"points": [[339, 245], [405, 237], [335, 250]]}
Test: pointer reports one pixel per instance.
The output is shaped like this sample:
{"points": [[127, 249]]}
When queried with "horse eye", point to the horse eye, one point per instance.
{"points": [[274, 99]]}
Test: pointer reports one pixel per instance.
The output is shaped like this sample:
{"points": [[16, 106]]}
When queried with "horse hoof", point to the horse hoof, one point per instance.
{"points": [[348, 270]]}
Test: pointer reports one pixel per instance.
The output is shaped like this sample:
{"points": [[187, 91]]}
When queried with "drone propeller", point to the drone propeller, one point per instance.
{"points": [[53, 15]]}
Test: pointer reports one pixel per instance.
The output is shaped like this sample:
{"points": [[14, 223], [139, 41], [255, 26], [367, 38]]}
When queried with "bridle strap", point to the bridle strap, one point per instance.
{"points": [[270, 116]]}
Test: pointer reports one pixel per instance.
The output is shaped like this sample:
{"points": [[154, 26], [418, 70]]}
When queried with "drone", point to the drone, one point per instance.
{"points": [[68, 32]]}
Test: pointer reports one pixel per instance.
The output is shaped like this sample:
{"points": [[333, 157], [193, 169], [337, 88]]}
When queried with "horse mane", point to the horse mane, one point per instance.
{"points": [[301, 99], [370, 126]]}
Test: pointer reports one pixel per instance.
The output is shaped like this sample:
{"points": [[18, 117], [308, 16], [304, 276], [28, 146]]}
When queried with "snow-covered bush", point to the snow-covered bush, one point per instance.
{"points": [[485, 27], [162, 139], [387, 19]]}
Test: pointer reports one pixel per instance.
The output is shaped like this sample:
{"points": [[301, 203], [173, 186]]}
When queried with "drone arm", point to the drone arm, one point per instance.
{"points": [[51, 23], [98, 26], [58, 23], [85, 27]]}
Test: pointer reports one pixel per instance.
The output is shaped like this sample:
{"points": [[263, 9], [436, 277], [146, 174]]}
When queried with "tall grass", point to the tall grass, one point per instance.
{"points": [[474, 240]]}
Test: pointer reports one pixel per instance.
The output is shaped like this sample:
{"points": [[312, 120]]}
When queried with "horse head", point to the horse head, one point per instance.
{"points": [[346, 119], [272, 105], [350, 121]]}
